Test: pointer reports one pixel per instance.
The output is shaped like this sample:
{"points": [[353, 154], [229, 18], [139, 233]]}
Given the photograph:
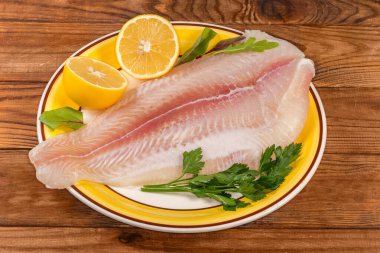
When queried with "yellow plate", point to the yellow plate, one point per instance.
{"points": [[158, 213]]}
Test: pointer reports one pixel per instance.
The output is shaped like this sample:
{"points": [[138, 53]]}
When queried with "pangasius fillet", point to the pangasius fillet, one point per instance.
{"points": [[231, 105]]}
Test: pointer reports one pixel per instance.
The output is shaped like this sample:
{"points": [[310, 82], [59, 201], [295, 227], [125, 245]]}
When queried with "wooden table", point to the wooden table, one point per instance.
{"points": [[338, 211]]}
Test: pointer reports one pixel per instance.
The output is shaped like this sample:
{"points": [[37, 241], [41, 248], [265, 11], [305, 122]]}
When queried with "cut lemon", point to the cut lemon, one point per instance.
{"points": [[91, 83], [147, 46]]}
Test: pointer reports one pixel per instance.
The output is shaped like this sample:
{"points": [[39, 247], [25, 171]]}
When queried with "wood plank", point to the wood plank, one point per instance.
{"points": [[18, 110], [26, 239], [29, 202], [352, 116], [345, 56], [353, 120], [326, 12], [344, 193]]}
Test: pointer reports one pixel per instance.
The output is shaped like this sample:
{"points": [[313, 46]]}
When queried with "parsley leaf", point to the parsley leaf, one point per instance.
{"points": [[192, 162], [248, 46], [227, 42], [201, 179], [270, 182], [255, 196], [65, 116], [237, 168], [266, 157]]}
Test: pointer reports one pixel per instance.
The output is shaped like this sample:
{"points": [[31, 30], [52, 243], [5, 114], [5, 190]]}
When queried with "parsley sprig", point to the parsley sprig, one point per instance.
{"points": [[275, 165]]}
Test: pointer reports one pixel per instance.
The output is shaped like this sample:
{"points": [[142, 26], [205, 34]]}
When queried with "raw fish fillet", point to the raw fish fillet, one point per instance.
{"points": [[231, 105]]}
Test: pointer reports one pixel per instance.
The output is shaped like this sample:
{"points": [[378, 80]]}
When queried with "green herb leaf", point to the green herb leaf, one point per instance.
{"points": [[224, 178], [233, 174], [256, 196], [227, 42], [229, 204], [237, 168], [192, 162], [200, 193], [292, 152], [270, 182], [247, 176], [200, 46], [241, 204], [65, 116], [266, 156], [201, 179], [248, 46], [284, 157]]}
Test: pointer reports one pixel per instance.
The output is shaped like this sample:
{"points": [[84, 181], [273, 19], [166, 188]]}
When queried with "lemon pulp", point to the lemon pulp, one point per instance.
{"points": [[147, 46], [91, 83]]}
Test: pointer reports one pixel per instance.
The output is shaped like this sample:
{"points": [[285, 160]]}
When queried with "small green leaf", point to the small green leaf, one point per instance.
{"points": [[227, 42], [247, 188], [237, 168], [241, 204], [229, 208], [224, 178], [270, 182], [192, 162], [200, 46], [65, 116], [229, 204], [263, 45], [292, 151], [256, 196], [278, 152], [281, 171], [284, 157], [237, 48], [267, 154], [200, 193], [201, 179], [248, 46], [247, 176], [233, 174]]}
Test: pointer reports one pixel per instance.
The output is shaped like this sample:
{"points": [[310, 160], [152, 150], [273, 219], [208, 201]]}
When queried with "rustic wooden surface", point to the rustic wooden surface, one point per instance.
{"points": [[339, 210]]}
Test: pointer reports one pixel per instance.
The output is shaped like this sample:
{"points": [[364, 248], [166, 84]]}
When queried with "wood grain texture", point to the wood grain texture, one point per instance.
{"points": [[338, 211], [345, 56], [18, 108], [312, 12], [24, 239]]}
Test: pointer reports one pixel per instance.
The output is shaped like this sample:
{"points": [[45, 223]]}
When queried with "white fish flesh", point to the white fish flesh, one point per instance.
{"points": [[231, 105]]}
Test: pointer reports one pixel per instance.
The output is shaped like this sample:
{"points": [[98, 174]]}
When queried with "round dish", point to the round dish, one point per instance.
{"points": [[156, 212]]}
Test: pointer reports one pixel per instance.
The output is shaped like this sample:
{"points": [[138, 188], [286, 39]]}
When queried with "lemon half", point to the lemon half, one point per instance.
{"points": [[147, 46], [91, 83]]}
